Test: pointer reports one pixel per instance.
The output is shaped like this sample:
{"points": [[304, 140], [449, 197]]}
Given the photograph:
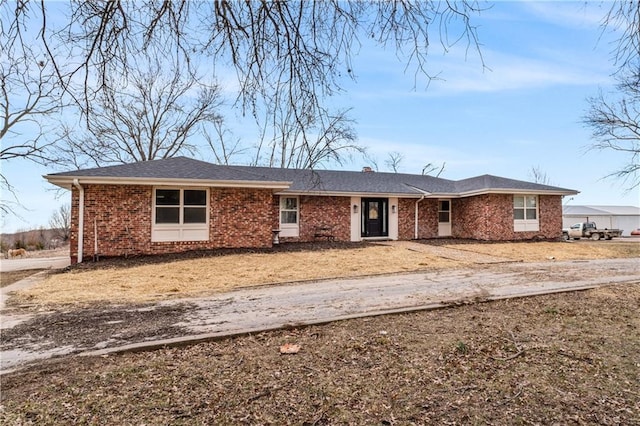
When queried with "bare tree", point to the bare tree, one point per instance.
{"points": [[429, 168], [623, 17], [30, 92], [286, 56], [393, 161], [305, 140], [154, 114], [614, 118], [224, 150], [615, 124], [538, 176], [60, 222]]}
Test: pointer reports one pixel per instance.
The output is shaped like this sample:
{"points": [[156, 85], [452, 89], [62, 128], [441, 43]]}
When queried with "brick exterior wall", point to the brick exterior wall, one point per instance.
{"points": [[427, 218], [490, 217], [122, 216], [406, 218], [314, 212]]}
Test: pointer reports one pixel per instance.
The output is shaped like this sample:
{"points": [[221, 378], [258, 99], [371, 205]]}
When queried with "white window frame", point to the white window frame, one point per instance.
{"points": [[289, 229], [178, 232], [526, 225]]}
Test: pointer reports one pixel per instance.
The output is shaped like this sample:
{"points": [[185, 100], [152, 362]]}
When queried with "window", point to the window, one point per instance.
{"points": [[180, 215], [289, 210], [525, 213], [195, 206], [444, 211], [289, 217]]}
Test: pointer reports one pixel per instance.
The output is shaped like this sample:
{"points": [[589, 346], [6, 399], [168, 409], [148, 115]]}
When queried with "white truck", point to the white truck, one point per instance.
{"points": [[589, 230]]}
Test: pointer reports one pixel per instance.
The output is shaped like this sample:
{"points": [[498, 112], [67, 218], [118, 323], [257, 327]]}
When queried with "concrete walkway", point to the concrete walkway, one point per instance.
{"points": [[448, 253], [21, 264], [272, 307]]}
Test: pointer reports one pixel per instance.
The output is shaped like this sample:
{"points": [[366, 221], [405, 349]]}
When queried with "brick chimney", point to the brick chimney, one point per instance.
{"points": [[367, 169]]}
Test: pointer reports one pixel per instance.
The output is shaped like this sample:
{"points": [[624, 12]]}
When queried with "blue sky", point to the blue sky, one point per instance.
{"points": [[544, 60]]}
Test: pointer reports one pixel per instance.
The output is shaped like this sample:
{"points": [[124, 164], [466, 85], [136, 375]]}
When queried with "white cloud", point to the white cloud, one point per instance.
{"points": [[510, 72], [573, 14], [507, 72]]}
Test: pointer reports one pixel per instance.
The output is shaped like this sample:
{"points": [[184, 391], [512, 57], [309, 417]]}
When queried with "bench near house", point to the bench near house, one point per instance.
{"points": [[181, 204]]}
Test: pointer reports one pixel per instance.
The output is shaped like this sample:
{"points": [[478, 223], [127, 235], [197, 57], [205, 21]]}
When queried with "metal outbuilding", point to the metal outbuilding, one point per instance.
{"points": [[626, 218]]}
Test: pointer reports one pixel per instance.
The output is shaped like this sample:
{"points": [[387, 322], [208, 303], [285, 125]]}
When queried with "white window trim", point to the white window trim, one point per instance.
{"points": [[289, 229], [178, 232], [527, 225]]}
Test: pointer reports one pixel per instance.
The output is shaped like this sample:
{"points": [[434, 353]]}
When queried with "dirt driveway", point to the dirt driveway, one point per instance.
{"points": [[99, 329]]}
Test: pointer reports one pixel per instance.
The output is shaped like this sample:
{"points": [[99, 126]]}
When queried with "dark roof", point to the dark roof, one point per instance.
{"points": [[297, 180], [169, 168], [496, 182], [349, 181]]}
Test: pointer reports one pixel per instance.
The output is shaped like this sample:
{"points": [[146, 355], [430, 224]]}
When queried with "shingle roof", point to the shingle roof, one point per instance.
{"points": [[169, 168], [496, 182], [300, 181]]}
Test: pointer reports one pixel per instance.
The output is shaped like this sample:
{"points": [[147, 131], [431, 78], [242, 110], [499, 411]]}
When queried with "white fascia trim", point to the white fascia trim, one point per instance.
{"points": [[348, 194], [514, 191], [426, 194], [67, 181]]}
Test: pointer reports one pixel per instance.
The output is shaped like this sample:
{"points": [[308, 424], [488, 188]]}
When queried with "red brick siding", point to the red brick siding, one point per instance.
{"points": [[427, 218], [550, 207], [241, 218], [246, 218], [406, 217], [314, 212], [490, 217], [469, 216], [122, 215]]}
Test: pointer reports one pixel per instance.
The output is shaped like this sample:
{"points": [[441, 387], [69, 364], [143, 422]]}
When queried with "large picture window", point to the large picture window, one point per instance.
{"points": [[180, 214], [525, 213], [289, 216]]}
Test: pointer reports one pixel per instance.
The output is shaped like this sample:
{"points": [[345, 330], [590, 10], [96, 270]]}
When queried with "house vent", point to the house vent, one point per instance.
{"points": [[367, 169]]}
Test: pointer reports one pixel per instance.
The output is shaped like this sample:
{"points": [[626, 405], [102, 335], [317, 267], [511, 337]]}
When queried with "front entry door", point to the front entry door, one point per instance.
{"points": [[375, 217], [444, 218]]}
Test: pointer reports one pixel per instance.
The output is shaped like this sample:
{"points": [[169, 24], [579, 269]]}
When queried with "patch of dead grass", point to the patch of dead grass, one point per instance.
{"points": [[202, 276], [543, 251], [217, 274], [567, 359]]}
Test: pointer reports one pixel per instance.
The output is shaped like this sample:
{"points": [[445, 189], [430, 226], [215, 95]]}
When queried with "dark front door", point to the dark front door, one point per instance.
{"points": [[375, 217]]}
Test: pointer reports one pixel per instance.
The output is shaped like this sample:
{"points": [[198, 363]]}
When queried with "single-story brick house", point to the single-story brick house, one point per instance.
{"points": [[181, 204]]}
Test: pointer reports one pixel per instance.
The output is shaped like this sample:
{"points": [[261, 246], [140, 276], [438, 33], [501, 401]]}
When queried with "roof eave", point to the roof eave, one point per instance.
{"points": [[558, 191], [348, 194], [67, 182]]}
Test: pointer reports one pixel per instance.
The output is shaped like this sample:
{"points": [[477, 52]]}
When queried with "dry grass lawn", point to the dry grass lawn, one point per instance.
{"points": [[194, 277], [559, 359], [542, 251]]}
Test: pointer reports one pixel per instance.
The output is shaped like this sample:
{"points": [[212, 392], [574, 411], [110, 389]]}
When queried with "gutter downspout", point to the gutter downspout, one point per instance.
{"points": [[76, 183], [415, 237]]}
